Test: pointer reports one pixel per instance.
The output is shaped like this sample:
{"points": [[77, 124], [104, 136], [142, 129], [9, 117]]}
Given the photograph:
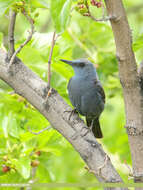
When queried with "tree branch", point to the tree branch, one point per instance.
{"points": [[103, 19], [27, 84], [140, 72], [130, 83], [50, 57], [26, 41], [12, 17], [39, 132]]}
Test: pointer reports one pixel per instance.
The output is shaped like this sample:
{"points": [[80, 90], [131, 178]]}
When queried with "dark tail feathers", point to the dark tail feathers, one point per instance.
{"points": [[95, 127]]}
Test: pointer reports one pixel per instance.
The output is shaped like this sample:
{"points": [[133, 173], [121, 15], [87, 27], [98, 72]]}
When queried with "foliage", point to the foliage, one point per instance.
{"points": [[79, 36]]}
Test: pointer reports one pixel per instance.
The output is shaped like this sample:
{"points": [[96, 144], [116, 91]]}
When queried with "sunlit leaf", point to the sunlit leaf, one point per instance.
{"points": [[5, 126], [4, 5], [39, 4], [51, 150], [45, 3], [23, 166], [14, 128], [65, 12], [60, 11], [56, 7], [138, 44]]}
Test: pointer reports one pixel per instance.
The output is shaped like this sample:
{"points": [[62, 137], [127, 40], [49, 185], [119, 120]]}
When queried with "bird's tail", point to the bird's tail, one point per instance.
{"points": [[94, 123]]}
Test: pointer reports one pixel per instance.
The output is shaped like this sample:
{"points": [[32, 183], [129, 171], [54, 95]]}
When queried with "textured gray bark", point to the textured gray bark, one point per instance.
{"points": [[27, 84], [130, 82]]}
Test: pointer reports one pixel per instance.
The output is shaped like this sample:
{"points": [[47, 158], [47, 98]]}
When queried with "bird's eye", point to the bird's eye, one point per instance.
{"points": [[82, 64]]}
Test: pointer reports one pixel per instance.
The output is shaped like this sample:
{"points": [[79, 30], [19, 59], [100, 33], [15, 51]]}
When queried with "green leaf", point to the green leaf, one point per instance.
{"points": [[56, 7], [4, 5], [138, 44], [23, 166], [5, 126], [3, 151], [51, 150], [44, 3], [60, 13], [14, 128], [30, 144], [64, 16], [39, 4]]}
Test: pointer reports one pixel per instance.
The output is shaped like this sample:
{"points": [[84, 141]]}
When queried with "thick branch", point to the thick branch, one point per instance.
{"points": [[140, 72], [130, 83], [30, 86], [12, 17]]}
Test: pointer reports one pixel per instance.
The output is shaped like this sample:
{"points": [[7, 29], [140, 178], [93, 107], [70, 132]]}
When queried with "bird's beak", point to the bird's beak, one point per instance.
{"points": [[67, 61]]}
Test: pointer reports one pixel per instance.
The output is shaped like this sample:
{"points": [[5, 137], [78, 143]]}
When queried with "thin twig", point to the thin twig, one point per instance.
{"points": [[50, 57], [26, 41], [100, 19], [12, 17], [37, 133], [103, 19]]}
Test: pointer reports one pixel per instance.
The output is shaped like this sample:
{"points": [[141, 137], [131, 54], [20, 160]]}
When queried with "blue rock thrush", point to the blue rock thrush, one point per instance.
{"points": [[86, 93]]}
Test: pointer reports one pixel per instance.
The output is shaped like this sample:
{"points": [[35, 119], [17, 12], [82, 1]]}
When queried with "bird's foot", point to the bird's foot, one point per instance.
{"points": [[88, 129], [74, 111]]}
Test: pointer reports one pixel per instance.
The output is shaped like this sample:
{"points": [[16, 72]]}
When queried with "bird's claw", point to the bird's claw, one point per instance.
{"points": [[71, 112]]}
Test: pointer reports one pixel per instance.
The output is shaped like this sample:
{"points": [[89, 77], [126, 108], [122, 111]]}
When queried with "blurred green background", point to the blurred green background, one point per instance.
{"points": [[79, 37]]}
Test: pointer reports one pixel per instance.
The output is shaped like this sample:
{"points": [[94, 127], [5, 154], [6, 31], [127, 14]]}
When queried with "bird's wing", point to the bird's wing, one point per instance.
{"points": [[69, 83], [70, 92], [100, 90], [74, 94]]}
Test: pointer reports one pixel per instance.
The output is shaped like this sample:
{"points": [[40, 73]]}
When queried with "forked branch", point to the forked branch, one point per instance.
{"points": [[26, 41]]}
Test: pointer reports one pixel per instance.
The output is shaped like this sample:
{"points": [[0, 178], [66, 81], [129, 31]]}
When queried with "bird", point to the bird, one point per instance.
{"points": [[86, 93]]}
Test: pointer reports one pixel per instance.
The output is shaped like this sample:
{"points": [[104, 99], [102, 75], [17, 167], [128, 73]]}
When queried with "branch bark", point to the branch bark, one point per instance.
{"points": [[27, 84], [140, 71], [13, 56], [130, 83], [11, 28]]}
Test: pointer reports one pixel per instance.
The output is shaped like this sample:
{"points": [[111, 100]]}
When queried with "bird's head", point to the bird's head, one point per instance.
{"points": [[81, 66]]}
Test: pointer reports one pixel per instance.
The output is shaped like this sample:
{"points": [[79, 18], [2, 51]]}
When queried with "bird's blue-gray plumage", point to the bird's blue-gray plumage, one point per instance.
{"points": [[86, 93]]}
